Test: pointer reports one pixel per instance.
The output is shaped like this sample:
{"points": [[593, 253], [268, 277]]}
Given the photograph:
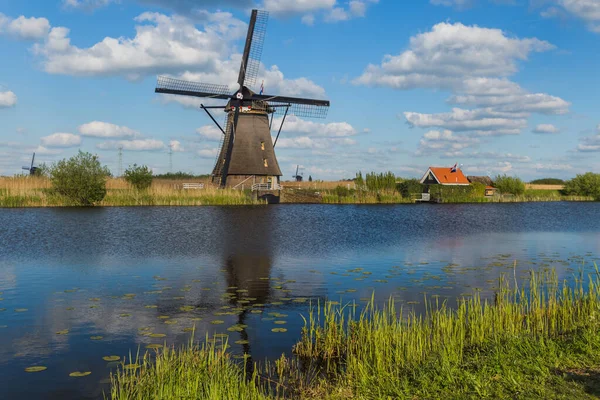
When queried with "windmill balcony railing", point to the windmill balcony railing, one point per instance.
{"points": [[266, 186]]}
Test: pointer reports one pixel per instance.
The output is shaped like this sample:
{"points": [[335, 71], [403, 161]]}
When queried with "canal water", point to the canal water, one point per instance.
{"points": [[79, 284]]}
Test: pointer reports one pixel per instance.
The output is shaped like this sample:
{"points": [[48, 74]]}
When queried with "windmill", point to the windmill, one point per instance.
{"points": [[247, 150], [31, 168], [297, 178]]}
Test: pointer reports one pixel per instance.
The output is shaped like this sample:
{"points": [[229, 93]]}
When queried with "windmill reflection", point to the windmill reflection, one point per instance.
{"points": [[247, 265]]}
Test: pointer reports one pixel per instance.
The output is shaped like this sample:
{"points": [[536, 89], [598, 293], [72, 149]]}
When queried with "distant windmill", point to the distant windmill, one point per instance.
{"points": [[247, 151], [31, 168], [297, 177]]}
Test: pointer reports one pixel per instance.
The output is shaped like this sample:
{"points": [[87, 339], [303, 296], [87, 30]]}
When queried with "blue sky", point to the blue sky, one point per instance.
{"points": [[497, 86]]}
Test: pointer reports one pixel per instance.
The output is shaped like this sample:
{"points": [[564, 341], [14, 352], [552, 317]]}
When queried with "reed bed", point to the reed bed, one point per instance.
{"points": [[538, 341], [37, 192], [512, 347], [198, 372]]}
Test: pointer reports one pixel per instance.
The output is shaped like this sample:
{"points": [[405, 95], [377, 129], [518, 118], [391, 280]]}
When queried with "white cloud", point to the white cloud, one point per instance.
{"points": [[25, 28], [501, 167], [176, 146], [449, 54], [210, 133], [294, 124], [587, 10], [473, 63], [44, 151], [161, 44], [61, 140], [7, 99], [545, 128], [106, 130], [331, 10], [87, 5], [132, 145], [483, 122], [590, 143], [445, 142], [207, 153], [305, 142], [553, 167]]}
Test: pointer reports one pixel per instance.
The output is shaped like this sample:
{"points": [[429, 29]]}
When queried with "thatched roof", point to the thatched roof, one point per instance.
{"points": [[486, 180]]}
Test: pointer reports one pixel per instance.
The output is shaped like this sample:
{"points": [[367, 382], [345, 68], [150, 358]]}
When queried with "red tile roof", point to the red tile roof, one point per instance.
{"points": [[445, 176]]}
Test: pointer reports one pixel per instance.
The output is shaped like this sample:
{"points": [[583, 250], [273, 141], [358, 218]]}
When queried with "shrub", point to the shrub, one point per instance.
{"points": [[477, 189], [509, 185], [410, 187], [382, 181], [81, 179], [587, 184], [140, 177], [548, 181], [342, 191]]}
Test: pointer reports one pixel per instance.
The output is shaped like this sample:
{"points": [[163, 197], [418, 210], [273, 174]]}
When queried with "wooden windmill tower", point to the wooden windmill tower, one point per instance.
{"points": [[247, 154]]}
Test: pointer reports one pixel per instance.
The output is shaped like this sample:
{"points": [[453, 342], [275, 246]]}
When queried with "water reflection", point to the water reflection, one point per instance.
{"points": [[143, 276]]}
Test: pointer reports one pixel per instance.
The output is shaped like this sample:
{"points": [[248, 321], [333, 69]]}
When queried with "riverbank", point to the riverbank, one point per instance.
{"points": [[37, 192], [538, 341]]}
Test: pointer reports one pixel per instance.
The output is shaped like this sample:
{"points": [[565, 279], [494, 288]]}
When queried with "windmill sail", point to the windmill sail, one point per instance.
{"points": [[257, 30]]}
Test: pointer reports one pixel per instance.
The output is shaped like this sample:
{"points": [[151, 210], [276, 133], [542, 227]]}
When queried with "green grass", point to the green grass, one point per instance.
{"points": [[195, 372], [539, 341]]}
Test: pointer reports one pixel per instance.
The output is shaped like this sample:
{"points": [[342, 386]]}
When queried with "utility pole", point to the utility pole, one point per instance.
{"points": [[120, 167], [171, 158]]}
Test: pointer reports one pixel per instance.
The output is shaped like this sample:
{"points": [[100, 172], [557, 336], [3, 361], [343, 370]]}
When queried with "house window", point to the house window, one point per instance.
{"points": [[262, 145], [265, 162]]}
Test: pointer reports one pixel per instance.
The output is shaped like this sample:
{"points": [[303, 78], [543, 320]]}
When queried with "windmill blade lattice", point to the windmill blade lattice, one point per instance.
{"points": [[300, 110], [168, 85], [258, 39]]}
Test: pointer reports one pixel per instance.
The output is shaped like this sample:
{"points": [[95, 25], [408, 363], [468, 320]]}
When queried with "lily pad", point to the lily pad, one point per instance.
{"points": [[79, 374], [280, 322], [21, 309], [242, 342], [217, 322], [279, 330], [256, 311], [70, 308], [63, 332], [154, 346], [2, 309], [96, 337], [35, 369], [163, 317], [151, 306], [111, 358], [171, 321], [131, 366], [124, 315], [188, 329], [157, 335]]}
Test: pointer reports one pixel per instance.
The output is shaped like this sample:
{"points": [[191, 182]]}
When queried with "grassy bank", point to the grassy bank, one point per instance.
{"points": [[37, 192], [539, 341]]}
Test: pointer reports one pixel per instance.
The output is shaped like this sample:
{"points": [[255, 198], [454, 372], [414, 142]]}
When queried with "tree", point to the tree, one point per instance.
{"points": [[587, 184], [310, 178], [509, 185], [140, 177], [81, 178], [410, 187]]}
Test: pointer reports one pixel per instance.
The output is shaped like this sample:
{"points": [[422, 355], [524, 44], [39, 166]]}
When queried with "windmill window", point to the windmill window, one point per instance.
{"points": [[265, 162], [262, 145]]}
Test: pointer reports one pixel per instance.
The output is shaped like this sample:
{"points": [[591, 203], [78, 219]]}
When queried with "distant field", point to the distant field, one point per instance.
{"points": [[318, 185], [544, 187]]}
